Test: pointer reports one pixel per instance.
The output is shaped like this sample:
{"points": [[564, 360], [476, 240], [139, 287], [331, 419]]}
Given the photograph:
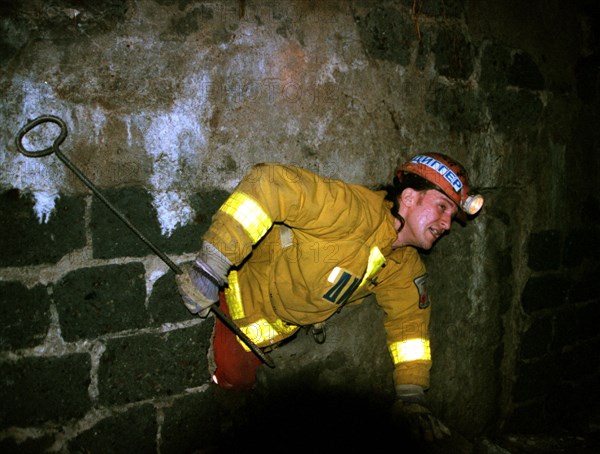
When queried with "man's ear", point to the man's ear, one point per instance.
{"points": [[408, 198]]}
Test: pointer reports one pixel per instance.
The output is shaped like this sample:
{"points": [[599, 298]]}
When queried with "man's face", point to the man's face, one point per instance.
{"points": [[427, 215]]}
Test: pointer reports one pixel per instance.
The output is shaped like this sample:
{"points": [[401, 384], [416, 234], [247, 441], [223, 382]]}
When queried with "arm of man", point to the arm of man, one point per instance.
{"points": [[404, 300], [271, 193]]}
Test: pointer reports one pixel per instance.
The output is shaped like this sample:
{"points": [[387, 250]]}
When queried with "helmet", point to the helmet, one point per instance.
{"points": [[448, 175]]}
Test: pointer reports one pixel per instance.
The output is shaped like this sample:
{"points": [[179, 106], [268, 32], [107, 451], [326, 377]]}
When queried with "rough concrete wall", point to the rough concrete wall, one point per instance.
{"points": [[169, 102], [546, 205]]}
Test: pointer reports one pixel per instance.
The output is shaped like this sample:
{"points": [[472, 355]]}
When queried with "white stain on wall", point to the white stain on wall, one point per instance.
{"points": [[42, 177], [174, 140], [94, 119]]}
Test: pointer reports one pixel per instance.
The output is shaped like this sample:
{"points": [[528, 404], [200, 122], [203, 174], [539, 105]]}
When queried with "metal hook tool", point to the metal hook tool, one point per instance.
{"points": [[176, 269]]}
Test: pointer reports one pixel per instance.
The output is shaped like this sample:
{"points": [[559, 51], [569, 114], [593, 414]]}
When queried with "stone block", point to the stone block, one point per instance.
{"points": [[576, 246], [37, 390], [134, 430], [587, 320], [387, 34], [544, 292], [28, 446], [165, 305], [585, 287], [536, 378], [515, 111], [580, 245], [524, 73], [544, 250], [565, 330], [581, 360], [27, 241], [424, 46], [565, 408], [527, 418], [495, 62], [112, 238], [25, 315], [154, 365], [454, 54], [458, 107], [536, 340], [181, 27], [101, 300]]}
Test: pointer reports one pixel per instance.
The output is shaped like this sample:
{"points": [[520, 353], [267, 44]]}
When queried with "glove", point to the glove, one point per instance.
{"points": [[411, 411], [197, 290], [199, 282]]}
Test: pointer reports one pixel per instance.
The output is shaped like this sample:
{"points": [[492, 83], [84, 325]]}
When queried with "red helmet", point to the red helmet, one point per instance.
{"points": [[448, 175]]}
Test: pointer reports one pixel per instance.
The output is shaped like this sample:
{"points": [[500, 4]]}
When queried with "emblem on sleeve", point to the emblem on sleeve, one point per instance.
{"points": [[420, 284]]}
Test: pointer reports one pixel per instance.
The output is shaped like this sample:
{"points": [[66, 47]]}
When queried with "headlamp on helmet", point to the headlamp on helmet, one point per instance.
{"points": [[472, 204]]}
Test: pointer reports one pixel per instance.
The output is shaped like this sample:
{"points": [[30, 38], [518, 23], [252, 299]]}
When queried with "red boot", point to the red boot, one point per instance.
{"points": [[236, 368]]}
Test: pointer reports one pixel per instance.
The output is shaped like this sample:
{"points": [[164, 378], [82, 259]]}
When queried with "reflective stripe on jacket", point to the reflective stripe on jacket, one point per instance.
{"points": [[303, 245]]}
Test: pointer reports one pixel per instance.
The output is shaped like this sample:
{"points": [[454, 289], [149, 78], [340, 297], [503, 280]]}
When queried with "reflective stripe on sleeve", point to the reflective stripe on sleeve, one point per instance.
{"points": [[249, 214], [410, 350]]}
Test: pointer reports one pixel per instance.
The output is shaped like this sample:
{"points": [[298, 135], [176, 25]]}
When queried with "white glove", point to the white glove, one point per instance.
{"points": [[197, 290], [200, 281]]}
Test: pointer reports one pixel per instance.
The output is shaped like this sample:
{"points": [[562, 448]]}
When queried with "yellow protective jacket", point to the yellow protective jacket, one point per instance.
{"points": [[302, 246]]}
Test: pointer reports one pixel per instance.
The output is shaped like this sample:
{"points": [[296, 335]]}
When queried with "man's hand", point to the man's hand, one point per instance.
{"points": [[200, 281], [198, 289], [410, 410], [419, 419]]}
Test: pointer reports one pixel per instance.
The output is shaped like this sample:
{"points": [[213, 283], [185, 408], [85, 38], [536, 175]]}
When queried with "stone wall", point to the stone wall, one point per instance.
{"points": [[557, 371], [96, 342], [169, 102]]}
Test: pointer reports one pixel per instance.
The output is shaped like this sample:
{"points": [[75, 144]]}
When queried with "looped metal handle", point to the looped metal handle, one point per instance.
{"points": [[32, 124]]}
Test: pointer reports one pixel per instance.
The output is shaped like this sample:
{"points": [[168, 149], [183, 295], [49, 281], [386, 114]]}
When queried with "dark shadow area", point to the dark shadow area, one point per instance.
{"points": [[301, 418]]}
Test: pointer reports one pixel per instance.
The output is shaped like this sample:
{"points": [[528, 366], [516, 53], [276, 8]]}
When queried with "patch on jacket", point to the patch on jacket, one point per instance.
{"points": [[420, 284], [344, 284]]}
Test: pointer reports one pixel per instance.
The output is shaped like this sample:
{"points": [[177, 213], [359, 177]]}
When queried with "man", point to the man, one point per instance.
{"points": [[291, 248]]}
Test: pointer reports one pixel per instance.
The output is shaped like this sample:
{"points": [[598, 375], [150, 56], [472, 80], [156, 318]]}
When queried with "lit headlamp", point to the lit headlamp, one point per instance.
{"points": [[472, 204]]}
